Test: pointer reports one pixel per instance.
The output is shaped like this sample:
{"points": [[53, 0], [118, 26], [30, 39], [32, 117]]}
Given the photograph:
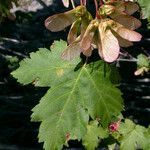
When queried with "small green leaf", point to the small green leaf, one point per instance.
{"points": [[143, 65], [145, 5], [93, 136], [142, 61], [132, 136]]}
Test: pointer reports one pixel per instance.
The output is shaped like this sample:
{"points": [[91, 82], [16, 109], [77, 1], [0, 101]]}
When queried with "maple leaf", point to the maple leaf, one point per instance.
{"points": [[132, 136], [94, 135], [40, 69], [147, 135], [64, 111]]}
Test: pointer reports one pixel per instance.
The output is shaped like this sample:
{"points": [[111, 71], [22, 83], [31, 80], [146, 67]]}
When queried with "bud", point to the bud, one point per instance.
{"points": [[113, 127]]}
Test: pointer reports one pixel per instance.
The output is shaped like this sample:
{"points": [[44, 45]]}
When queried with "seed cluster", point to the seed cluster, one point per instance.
{"points": [[112, 27]]}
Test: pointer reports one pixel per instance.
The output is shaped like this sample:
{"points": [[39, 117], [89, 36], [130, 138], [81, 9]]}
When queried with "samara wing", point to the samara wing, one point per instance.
{"points": [[131, 7], [125, 20], [72, 51], [129, 34], [108, 46], [88, 37], [60, 21], [122, 42], [73, 32]]}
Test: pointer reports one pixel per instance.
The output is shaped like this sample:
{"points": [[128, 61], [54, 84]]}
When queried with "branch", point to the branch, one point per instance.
{"points": [[127, 60], [12, 52]]}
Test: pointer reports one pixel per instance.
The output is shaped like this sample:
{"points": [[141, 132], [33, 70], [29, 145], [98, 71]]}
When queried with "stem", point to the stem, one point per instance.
{"points": [[81, 2], [145, 52], [11, 52], [84, 2], [127, 60], [72, 2], [126, 54], [101, 2], [96, 7], [86, 61]]}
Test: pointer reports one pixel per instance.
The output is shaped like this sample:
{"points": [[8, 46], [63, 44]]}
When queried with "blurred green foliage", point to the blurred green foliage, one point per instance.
{"points": [[5, 6]]}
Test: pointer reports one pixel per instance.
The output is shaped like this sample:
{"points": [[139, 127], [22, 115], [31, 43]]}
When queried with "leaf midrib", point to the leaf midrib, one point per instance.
{"points": [[68, 99]]}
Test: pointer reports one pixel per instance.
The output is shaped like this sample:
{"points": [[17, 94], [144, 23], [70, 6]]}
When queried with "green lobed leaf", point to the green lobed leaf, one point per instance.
{"points": [[147, 135], [132, 136], [62, 111], [104, 100], [62, 118], [74, 95], [93, 136], [44, 67]]}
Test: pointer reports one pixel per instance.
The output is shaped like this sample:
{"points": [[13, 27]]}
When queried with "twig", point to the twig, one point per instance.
{"points": [[145, 52], [126, 53], [127, 60], [84, 2], [81, 2], [101, 2], [13, 52], [96, 7]]}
